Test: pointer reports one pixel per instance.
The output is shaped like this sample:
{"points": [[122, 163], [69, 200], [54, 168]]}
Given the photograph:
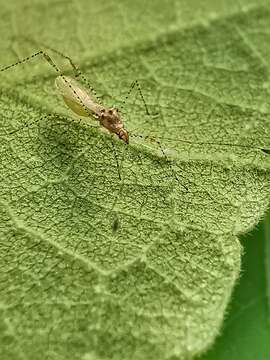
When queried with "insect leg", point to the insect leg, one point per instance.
{"points": [[135, 84], [26, 59], [172, 170], [76, 69], [117, 162], [165, 156], [53, 65], [27, 124]]}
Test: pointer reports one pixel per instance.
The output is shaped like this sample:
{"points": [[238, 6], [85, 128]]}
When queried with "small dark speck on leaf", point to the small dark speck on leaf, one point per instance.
{"points": [[115, 224]]}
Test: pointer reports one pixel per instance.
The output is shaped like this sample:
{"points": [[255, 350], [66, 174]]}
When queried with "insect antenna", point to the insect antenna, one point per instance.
{"points": [[254, 147]]}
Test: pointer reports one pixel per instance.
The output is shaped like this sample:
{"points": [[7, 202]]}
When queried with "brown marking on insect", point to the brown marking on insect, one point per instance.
{"points": [[80, 102], [110, 119]]}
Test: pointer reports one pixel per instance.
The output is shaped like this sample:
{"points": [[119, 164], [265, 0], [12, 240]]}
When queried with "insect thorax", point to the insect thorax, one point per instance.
{"points": [[110, 119]]}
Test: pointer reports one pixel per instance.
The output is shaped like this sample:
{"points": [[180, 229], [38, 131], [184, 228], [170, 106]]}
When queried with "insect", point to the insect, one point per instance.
{"points": [[82, 103], [79, 101]]}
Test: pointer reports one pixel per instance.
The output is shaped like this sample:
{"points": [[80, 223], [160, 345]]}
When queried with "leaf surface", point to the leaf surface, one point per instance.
{"points": [[96, 267], [246, 330]]}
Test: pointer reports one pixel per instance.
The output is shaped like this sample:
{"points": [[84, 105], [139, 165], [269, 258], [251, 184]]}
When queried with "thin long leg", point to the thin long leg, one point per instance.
{"points": [[50, 61], [117, 162], [137, 85], [63, 118], [28, 58], [165, 156], [27, 124], [76, 69], [53, 65], [172, 170], [47, 116]]}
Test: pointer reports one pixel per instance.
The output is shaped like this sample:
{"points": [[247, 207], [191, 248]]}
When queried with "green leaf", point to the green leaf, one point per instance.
{"points": [[94, 267], [246, 330]]}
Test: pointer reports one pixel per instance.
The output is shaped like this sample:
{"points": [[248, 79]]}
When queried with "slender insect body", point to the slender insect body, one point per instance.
{"points": [[76, 97], [80, 102]]}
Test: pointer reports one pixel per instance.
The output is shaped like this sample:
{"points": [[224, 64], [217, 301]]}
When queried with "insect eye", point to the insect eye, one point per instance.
{"points": [[110, 111]]}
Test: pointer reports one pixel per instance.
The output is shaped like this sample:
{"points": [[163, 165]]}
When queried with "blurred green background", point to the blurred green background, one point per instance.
{"points": [[246, 330]]}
